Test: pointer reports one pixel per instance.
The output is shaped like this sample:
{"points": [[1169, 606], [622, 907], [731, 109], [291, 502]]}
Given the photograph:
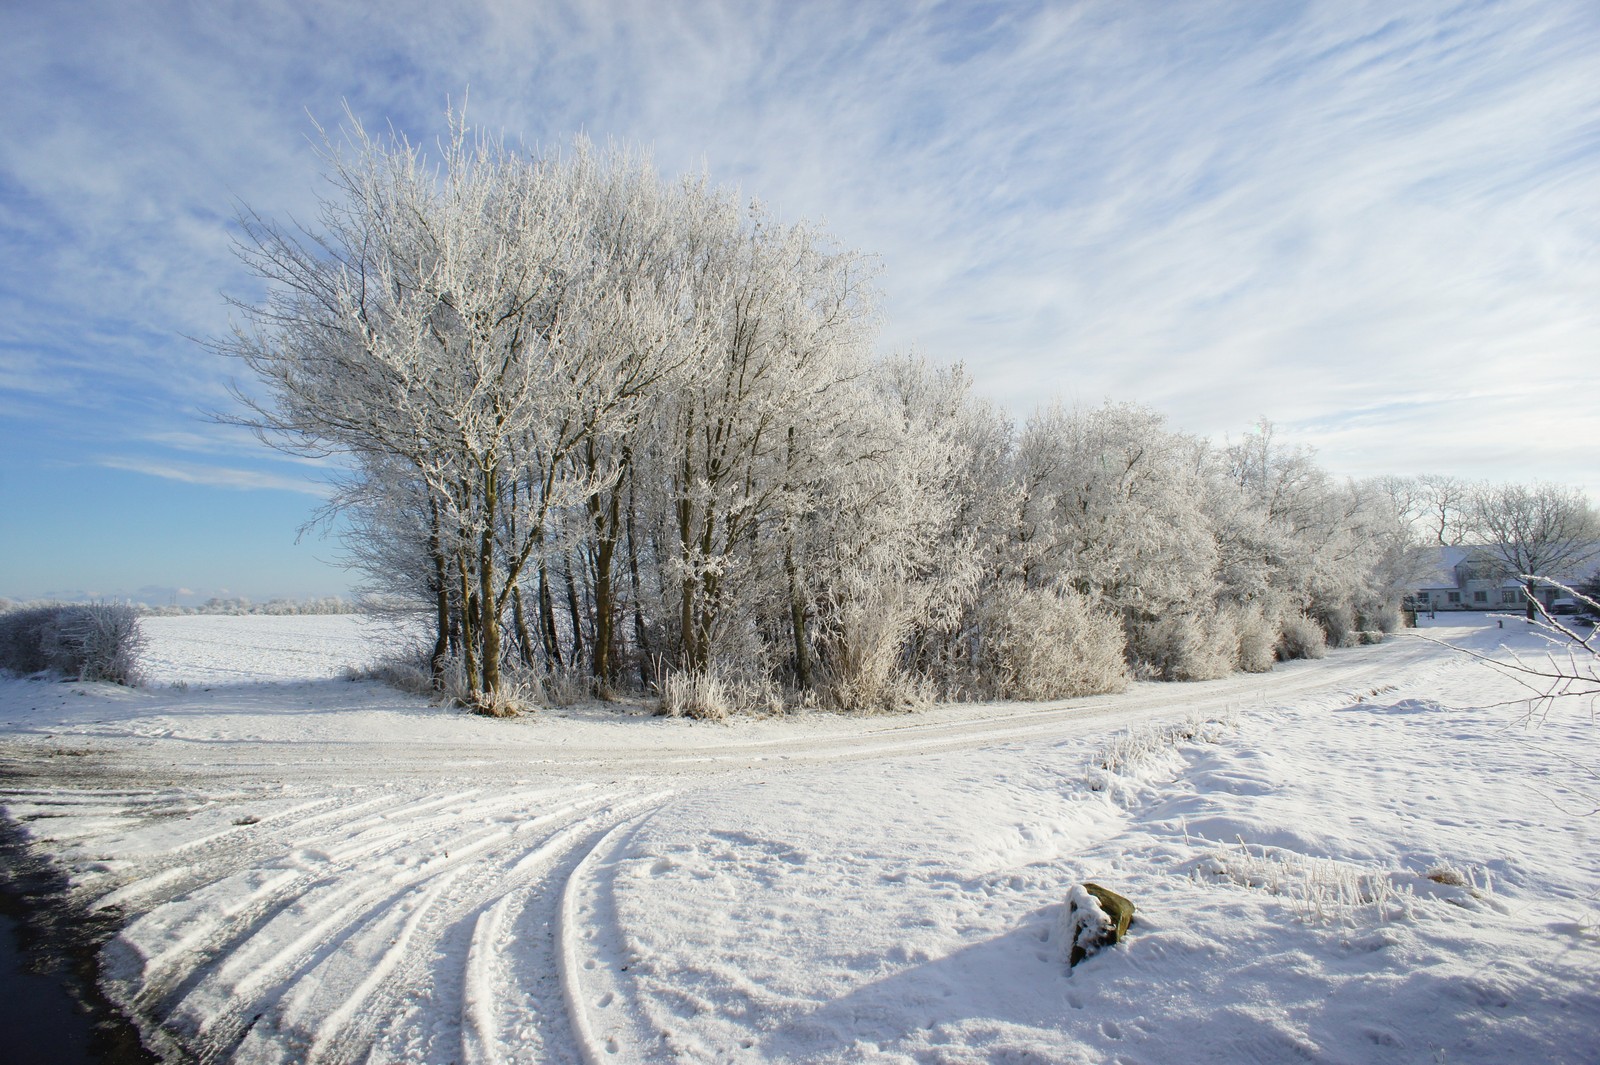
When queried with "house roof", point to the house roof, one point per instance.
{"points": [[1443, 572]]}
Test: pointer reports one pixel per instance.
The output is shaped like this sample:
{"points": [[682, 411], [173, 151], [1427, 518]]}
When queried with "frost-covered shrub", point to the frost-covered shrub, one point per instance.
{"points": [[1195, 646], [1050, 644], [1258, 639], [406, 671], [89, 641], [97, 641], [703, 694], [402, 673], [1126, 751], [861, 670], [524, 688], [1338, 622], [1385, 619], [520, 692], [509, 701], [564, 687], [21, 638], [1300, 637]]}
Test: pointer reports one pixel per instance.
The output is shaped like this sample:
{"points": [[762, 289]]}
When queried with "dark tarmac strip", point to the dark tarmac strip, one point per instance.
{"points": [[51, 1011]]}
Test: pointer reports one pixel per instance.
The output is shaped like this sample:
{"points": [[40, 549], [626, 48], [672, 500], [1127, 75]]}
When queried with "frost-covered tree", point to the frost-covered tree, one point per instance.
{"points": [[896, 568], [1535, 530], [1436, 504], [782, 323], [454, 321], [1113, 508], [1336, 551]]}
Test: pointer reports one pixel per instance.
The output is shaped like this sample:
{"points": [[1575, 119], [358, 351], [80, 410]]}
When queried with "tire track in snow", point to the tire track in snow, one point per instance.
{"points": [[333, 955], [487, 980], [215, 910], [480, 885], [580, 910], [308, 980]]}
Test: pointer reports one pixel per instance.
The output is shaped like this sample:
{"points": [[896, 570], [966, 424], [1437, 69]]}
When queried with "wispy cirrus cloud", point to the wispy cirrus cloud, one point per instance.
{"points": [[216, 476]]}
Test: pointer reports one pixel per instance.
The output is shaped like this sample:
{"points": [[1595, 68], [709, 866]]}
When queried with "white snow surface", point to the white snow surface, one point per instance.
{"points": [[228, 649], [1371, 858]]}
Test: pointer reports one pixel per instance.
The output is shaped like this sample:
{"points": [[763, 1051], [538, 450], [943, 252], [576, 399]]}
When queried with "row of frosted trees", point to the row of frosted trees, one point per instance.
{"points": [[627, 434]]}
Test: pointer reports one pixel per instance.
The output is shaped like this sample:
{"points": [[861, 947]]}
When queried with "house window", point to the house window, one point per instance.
{"points": [[1455, 598], [1480, 597], [1510, 596], [1422, 597]]}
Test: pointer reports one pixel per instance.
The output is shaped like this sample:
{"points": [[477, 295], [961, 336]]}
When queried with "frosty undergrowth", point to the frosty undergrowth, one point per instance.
{"points": [[1321, 889], [1127, 751]]}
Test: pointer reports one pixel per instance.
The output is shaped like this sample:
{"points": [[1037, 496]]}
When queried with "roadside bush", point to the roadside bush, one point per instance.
{"points": [[525, 688], [22, 638], [1300, 637], [860, 670], [89, 641], [406, 672], [1338, 622], [1385, 619], [711, 695], [1199, 646], [1051, 644], [1322, 889], [1258, 639], [1126, 751], [563, 687]]}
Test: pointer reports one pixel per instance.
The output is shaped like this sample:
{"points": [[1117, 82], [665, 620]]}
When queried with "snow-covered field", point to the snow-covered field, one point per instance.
{"points": [[1363, 859], [230, 649]]}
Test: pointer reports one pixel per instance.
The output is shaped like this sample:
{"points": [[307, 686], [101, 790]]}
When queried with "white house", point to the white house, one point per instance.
{"points": [[1470, 578]]}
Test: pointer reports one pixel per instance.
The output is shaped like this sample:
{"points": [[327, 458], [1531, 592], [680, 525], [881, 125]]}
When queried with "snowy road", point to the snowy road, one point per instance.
{"points": [[328, 872]]}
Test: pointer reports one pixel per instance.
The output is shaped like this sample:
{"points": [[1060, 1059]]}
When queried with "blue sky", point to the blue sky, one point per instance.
{"points": [[1377, 225]]}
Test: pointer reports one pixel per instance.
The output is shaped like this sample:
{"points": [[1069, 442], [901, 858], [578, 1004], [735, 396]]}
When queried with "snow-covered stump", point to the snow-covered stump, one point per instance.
{"points": [[1095, 917]]}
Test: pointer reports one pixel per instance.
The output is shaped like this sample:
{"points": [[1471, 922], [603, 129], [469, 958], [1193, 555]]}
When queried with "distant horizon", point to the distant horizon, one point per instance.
{"points": [[175, 597]]}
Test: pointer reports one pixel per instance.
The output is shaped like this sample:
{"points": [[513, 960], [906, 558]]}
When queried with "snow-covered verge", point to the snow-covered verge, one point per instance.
{"points": [[1362, 859]]}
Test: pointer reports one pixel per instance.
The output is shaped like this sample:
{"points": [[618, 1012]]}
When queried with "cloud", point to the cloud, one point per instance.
{"points": [[232, 440], [1329, 214], [217, 476]]}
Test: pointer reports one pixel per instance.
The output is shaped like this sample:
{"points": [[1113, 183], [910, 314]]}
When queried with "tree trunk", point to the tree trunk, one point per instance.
{"points": [[602, 657], [688, 651], [441, 590], [468, 637], [604, 519], [797, 622], [547, 619], [520, 619], [641, 636], [488, 605], [575, 612]]}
